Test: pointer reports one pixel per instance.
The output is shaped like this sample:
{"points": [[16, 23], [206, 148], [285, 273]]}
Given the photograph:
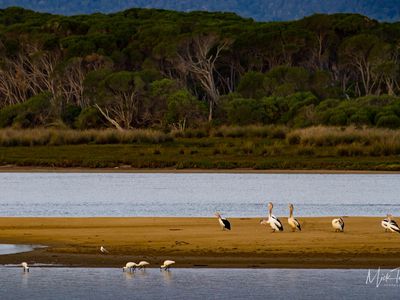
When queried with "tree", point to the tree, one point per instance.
{"points": [[182, 109], [198, 56], [362, 52], [120, 99]]}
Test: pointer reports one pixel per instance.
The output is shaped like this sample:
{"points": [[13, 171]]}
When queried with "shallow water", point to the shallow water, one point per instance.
{"points": [[85, 283], [127, 194], [12, 249]]}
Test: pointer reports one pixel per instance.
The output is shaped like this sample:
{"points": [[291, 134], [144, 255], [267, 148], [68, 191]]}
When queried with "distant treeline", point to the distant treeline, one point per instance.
{"points": [[261, 10], [146, 68]]}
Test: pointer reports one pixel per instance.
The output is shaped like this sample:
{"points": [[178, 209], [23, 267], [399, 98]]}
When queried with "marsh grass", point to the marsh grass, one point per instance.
{"points": [[259, 147], [251, 131], [58, 137], [332, 136]]}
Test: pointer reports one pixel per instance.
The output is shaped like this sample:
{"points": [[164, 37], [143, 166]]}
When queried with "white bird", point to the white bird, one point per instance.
{"points": [[389, 224], [338, 224], [385, 223], [223, 222], [167, 264], [103, 250], [25, 267], [273, 221], [130, 266], [142, 264], [294, 223]]}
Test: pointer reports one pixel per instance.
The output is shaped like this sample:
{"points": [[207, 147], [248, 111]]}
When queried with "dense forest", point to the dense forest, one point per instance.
{"points": [[148, 68], [261, 10]]}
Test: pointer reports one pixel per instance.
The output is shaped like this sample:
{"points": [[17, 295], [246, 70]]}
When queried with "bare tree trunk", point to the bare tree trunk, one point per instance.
{"points": [[197, 59], [106, 115]]}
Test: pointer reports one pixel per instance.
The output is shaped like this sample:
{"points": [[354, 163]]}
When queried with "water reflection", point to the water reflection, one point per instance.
{"points": [[167, 275], [82, 283], [25, 279], [15, 248], [129, 275]]}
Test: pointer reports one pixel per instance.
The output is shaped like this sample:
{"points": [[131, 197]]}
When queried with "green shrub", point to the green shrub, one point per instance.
{"points": [[34, 112], [8, 114], [70, 114], [389, 121], [89, 118]]}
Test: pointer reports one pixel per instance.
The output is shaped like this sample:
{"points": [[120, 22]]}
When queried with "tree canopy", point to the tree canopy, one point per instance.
{"points": [[167, 69]]}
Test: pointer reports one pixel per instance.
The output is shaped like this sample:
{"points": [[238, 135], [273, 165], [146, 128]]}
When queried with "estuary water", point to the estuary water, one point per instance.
{"points": [[81, 283], [12, 249], [200, 195]]}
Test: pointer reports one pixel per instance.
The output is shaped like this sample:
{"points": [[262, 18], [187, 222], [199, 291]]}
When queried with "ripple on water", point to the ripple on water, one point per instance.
{"points": [[97, 283]]}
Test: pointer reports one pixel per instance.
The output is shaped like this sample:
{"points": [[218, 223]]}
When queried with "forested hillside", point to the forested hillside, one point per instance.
{"points": [[262, 10], [144, 68]]}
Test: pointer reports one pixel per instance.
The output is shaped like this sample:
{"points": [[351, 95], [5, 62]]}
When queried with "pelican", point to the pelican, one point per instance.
{"points": [[130, 266], [103, 250], [142, 264], [223, 222], [338, 224], [167, 264], [25, 267], [389, 224], [294, 223], [385, 223], [273, 221]]}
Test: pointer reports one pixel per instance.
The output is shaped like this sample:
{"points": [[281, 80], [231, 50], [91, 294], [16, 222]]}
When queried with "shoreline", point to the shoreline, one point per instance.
{"points": [[199, 242], [33, 169]]}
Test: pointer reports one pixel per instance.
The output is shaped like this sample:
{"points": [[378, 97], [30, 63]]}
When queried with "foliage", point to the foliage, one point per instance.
{"points": [[273, 10], [150, 68]]}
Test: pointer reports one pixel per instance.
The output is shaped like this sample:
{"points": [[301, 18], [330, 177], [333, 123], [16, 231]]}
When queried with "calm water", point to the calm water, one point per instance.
{"points": [[124, 194], [11, 249], [79, 283]]}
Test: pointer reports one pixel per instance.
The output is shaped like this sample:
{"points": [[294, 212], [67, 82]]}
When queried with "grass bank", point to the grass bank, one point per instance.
{"points": [[252, 147]]}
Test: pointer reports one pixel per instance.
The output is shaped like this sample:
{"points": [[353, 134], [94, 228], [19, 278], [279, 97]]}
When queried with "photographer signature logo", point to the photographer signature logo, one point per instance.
{"points": [[383, 277]]}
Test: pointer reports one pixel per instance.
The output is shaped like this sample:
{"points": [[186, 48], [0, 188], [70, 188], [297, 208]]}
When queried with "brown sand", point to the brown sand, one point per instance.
{"points": [[201, 242]]}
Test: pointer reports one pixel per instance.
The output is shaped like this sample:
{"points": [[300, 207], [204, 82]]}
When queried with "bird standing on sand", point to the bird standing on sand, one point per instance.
{"points": [[273, 221], [103, 250], [294, 223], [142, 264], [130, 266], [167, 264], [223, 222], [389, 224], [25, 267], [338, 224], [385, 223]]}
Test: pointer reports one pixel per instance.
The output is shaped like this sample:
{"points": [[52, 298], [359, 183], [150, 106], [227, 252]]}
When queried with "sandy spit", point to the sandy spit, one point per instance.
{"points": [[200, 242]]}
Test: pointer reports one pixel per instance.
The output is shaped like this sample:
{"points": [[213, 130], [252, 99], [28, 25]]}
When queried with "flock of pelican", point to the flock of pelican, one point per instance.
{"points": [[276, 225]]}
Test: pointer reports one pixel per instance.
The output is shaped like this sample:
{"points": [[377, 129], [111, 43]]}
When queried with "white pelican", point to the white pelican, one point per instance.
{"points": [[167, 264], [223, 222], [273, 221], [142, 264], [103, 250], [25, 267], [294, 223], [338, 224], [130, 266], [385, 223], [390, 224]]}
